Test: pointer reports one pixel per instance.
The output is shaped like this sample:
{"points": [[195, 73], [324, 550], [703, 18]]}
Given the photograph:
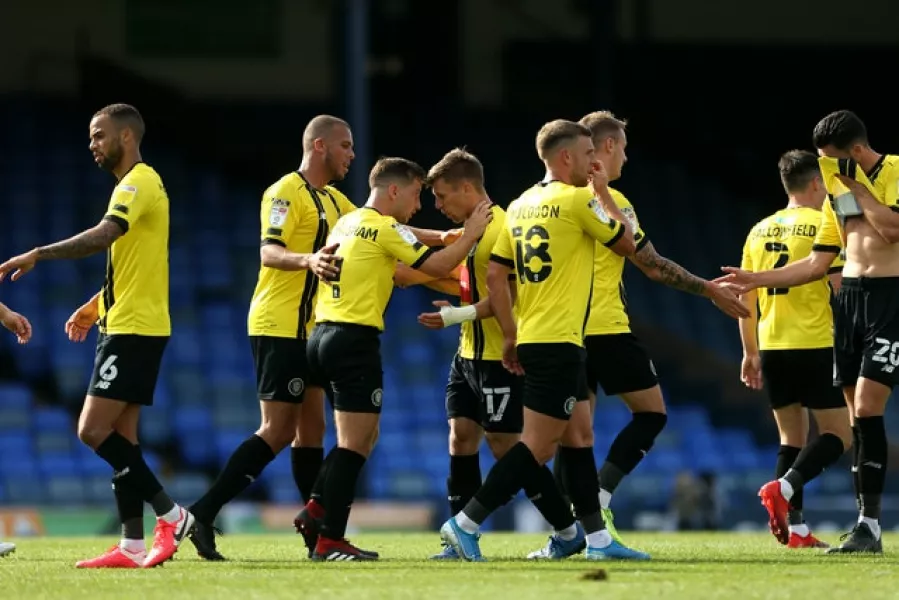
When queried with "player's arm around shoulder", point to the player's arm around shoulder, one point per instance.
{"points": [[441, 263]]}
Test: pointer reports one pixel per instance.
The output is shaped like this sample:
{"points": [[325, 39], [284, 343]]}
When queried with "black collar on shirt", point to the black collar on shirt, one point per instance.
{"points": [[875, 170], [131, 168]]}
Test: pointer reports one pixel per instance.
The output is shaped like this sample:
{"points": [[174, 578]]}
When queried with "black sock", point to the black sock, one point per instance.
{"points": [[630, 446], [132, 471], [318, 488], [503, 481], [814, 458], [609, 476], [786, 457], [131, 510], [872, 463], [856, 451], [305, 463], [463, 481], [543, 492], [579, 468], [244, 466], [557, 475], [340, 491]]}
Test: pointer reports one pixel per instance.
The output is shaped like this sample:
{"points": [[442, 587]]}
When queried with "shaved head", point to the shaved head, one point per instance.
{"points": [[320, 128]]}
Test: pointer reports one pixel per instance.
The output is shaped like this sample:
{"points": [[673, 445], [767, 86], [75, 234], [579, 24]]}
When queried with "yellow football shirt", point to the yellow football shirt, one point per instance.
{"points": [[790, 318], [298, 217], [480, 339], [135, 294], [370, 245], [549, 240], [608, 313]]}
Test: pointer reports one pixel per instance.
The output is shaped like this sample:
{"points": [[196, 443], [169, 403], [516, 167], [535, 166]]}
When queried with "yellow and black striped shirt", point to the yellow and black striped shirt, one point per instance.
{"points": [[298, 217]]}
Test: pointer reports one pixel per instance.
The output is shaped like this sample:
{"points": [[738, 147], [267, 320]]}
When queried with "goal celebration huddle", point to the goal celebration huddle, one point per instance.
{"points": [[543, 324]]}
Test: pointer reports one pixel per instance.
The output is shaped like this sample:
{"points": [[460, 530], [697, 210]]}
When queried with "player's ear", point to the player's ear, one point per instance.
{"points": [[392, 190], [319, 144]]}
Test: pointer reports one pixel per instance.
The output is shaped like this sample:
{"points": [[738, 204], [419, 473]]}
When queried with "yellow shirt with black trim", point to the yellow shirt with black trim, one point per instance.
{"points": [[882, 182], [480, 339], [299, 217], [370, 246], [608, 308], [549, 241], [790, 318], [135, 294]]}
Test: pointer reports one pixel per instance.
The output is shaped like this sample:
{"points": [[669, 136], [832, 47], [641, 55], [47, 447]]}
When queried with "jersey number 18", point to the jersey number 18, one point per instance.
{"points": [[526, 249]]}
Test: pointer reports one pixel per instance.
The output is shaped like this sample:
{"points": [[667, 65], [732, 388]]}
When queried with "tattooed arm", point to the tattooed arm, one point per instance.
{"points": [[97, 238], [666, 271], [658, 268]]}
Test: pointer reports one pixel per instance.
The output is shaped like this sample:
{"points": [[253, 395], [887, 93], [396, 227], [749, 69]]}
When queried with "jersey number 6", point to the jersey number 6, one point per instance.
{"points": [[526, 249]]}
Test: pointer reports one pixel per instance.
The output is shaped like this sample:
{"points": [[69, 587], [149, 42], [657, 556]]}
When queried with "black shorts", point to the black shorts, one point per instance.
{"points": [[126, 367], [485, 392], [866, 331], [281, 368], [554, 378], [347, 359], [801, 377], [619, 363]]}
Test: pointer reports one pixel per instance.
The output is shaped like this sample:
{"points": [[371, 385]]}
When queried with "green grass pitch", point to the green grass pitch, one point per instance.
{"points": [[695, 566]]}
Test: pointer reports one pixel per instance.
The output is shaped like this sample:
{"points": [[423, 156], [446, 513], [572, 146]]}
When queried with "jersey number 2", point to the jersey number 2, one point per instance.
{"points": [[783, 258], [526, 249]]}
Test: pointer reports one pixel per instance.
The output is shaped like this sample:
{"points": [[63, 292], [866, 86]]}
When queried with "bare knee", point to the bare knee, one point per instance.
{"points": [[645, 401], [579, 432], [500, 443], [278, 425], [464, 437], [310, 423], [93, 434], [357, 431]]}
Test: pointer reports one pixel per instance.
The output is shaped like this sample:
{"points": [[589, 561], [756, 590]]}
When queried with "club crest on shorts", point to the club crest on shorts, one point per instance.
{"points": [[376, 397], [296, 386], [569, 405]]}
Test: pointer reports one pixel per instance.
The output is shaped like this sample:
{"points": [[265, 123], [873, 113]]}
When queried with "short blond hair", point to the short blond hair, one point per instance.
{"points": [[555, 134], [603, 124], [456, 166]]}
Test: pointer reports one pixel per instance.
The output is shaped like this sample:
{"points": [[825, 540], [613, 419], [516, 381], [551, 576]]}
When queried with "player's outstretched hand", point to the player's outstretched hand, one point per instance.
{"points": [[510, 356], [17, 324], [324, 263], [751, 371], [434, 320], [18, 265], [727, 301], [737, 279], [81, 321], [476, 224]]}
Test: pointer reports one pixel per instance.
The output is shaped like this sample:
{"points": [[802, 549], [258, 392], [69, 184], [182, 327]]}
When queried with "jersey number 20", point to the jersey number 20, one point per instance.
{"points": [[783, 258], [527, 248]]}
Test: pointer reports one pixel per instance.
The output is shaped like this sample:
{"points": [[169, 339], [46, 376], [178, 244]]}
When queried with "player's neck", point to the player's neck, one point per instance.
{"points": [[480, 198], [316, 175], [868, 159], [378, 202], [126, 164], [803, 201], [556, 175]]}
